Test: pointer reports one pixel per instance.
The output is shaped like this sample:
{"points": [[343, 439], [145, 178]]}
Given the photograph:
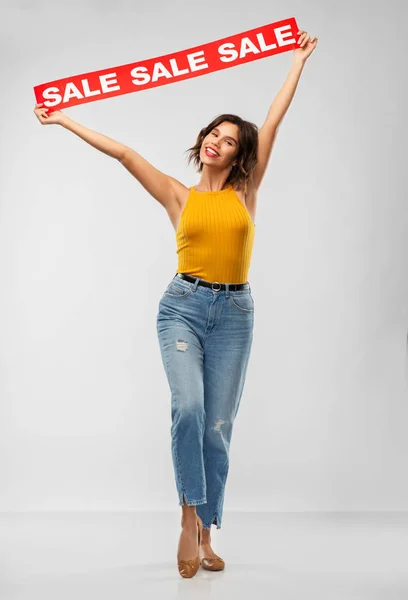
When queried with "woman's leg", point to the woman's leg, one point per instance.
{"points": [[226, 357], [181, 314], [182, 356]]}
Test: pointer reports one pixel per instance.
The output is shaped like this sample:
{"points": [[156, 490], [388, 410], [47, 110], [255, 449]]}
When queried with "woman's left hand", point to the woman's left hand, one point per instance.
{"points": [[307, 45]]}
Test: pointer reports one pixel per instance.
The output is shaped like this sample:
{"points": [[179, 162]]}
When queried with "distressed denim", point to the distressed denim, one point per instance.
{"points": [[205, 339]]}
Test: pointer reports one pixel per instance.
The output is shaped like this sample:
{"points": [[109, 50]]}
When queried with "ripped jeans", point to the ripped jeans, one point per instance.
{"points": [[205, 339]]}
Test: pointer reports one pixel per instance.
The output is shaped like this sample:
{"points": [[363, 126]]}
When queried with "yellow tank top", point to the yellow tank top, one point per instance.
{"points": [[215, 237]]}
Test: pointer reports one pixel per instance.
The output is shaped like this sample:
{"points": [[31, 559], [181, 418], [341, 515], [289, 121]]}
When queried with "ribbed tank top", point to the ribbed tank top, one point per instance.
{"points": [[215, 237]]}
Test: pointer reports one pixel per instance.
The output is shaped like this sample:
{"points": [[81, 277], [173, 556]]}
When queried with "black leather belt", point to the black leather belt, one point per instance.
{"points": [[218, 286]]}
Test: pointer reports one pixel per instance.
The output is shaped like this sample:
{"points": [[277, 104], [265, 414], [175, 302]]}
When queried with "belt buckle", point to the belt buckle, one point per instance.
{"points": [[212, 286]]}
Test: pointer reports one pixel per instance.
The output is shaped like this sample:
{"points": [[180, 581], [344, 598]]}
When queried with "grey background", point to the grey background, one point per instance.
{"points": [[85, 254]]}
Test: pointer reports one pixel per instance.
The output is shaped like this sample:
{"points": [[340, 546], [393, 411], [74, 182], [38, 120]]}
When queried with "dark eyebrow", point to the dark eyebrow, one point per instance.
{"points": [[227, 136]]}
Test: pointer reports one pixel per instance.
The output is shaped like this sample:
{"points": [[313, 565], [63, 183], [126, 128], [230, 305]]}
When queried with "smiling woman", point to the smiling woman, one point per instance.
{"points": [[235, 143], [205, 316], [229, 140]]}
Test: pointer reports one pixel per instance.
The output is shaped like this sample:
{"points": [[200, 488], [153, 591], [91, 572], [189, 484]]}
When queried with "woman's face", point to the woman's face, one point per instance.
{"points": [[224, 140]]}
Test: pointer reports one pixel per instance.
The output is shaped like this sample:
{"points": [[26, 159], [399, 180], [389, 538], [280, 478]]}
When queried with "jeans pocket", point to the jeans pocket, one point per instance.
{"points": [[175, 290], [243, 302]]}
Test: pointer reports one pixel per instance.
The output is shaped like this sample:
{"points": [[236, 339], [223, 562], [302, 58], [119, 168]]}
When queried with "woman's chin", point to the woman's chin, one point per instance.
{"points": [[211, 164]]}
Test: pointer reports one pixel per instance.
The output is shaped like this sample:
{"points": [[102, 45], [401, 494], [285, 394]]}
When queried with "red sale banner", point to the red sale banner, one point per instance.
{"points": [[222, 54]]}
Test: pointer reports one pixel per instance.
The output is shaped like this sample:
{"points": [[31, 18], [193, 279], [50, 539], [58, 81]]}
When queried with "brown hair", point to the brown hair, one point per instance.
{"points": [[247, 156]]}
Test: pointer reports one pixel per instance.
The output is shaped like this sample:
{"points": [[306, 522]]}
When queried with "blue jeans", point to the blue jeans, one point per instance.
{"points": [[205, 338]]}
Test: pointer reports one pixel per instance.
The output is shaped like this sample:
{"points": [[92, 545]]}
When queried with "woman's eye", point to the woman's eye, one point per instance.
{"points": [[228, 142]]}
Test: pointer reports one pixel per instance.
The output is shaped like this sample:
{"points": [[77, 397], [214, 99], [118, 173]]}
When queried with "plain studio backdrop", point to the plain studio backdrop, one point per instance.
{"points": [[86, 253]]}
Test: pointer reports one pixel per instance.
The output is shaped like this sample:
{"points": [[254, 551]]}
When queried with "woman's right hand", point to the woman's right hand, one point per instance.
{"points": [[54, 118]]}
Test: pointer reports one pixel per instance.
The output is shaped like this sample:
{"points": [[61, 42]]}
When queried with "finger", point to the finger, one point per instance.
{"points": [[302, 37], [305, 41]]}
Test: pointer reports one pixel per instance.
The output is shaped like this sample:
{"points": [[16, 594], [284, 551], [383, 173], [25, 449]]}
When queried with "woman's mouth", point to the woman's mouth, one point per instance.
{"points": [[210, 153]]}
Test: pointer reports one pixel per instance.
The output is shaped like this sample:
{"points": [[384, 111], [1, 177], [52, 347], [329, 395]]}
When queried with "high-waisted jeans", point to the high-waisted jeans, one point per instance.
{"points": [[205, 339]]}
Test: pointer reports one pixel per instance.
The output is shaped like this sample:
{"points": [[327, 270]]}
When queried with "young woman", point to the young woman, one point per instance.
{"points": [[206, 314]]}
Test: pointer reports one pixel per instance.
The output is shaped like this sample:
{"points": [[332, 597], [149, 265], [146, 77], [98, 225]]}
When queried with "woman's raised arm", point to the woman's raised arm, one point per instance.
{"points": [[268, 131], [163, 188]]}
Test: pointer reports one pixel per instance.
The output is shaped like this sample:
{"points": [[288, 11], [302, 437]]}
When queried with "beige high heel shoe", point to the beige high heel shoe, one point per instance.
{"points": [[188, 568]]}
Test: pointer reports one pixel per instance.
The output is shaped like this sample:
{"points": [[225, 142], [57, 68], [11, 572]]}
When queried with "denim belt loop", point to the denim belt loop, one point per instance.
{"points": [[227, 290], [196, 284]]}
